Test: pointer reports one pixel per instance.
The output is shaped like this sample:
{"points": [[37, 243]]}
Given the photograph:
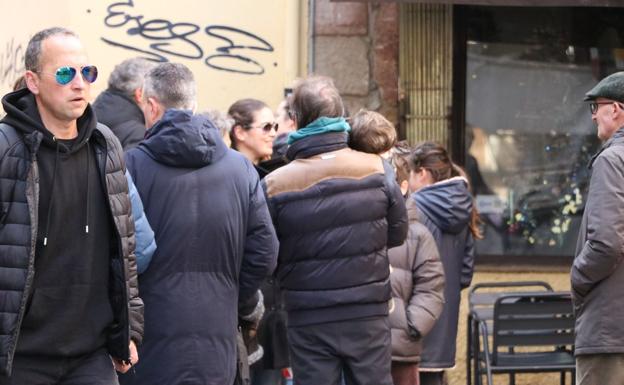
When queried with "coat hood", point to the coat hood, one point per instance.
{"points": [[181, 139], [23, 115], [113, 108], [447, 203]]}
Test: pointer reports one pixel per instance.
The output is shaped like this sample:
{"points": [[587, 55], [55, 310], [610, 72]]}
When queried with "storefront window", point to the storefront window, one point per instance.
{"points": [[529, 135]]}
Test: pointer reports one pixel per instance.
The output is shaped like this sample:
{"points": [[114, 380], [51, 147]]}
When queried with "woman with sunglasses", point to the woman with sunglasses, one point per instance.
{"points": [[254, 130], [252, 134]]}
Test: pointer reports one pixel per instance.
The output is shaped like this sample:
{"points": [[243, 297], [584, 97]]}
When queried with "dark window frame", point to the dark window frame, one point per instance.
{"points": [[458, 135]]}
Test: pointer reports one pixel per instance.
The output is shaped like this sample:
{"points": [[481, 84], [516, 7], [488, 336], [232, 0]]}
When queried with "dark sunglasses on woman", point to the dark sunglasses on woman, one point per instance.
{"points": [[267, 127]]}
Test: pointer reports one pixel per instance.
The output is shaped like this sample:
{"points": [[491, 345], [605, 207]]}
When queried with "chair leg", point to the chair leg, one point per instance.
{"points": [[512, 375], [469, 353], [476, 351], [489, 376], [486, 349]]}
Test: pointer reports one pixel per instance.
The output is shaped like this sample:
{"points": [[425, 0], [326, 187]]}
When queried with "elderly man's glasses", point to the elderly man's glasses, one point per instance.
{"points": [[66, 74], [267, 127], [593, 106]]}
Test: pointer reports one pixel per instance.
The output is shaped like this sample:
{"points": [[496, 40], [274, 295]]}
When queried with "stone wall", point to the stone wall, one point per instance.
{"points": [[357, 44]]}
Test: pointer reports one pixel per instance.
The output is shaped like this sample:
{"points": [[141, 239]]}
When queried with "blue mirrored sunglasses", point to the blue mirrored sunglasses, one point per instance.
{"points": [[65, 74]]}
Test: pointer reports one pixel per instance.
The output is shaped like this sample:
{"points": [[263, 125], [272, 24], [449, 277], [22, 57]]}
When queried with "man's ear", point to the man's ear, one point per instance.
{"points": [[618, 110], [155, 108], [151, 111], [138, 95], [32, 82], [152, 106]]}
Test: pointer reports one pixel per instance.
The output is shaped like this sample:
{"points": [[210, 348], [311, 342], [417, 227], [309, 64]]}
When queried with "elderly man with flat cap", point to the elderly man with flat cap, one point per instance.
{"points": [[598, 272]]}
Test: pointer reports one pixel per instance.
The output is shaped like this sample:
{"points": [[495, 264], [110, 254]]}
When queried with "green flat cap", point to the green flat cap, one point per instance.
{"points": [[611, 87]]}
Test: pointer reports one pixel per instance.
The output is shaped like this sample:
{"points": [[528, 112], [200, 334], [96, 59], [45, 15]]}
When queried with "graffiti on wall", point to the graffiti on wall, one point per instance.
{"points": [[11, 62], [161, 39]]}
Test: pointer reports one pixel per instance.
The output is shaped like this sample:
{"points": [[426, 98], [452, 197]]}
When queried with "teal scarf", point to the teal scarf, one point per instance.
{"points": [[321, 125]]}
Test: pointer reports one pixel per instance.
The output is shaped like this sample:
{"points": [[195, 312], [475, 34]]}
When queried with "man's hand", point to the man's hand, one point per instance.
{"points": [[122, 367]]}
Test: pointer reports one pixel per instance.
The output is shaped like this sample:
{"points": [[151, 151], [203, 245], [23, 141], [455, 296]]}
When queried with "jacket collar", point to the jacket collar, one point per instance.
{"points": [[616, 139], [317, 144]]}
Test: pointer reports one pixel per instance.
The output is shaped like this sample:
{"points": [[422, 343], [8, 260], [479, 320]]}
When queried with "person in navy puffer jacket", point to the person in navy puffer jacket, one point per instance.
{"points": [[214, 234], [443, 203], [336, 211]]}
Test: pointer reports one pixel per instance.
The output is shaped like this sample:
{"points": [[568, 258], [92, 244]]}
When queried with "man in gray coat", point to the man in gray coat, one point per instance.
{"points": [[598, 273]]}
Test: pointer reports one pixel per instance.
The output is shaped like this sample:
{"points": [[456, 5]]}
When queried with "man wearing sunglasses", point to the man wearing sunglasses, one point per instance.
{"points": [[68, 288], [598, 270]]}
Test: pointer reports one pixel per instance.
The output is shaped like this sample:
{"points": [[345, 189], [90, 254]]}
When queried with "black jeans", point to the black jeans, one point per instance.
{"points": [[360, 349], [91, 369]]}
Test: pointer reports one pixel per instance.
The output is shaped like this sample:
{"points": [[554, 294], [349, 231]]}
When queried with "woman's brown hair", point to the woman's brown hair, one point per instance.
{"points": [[434, 158], [242, 111]]}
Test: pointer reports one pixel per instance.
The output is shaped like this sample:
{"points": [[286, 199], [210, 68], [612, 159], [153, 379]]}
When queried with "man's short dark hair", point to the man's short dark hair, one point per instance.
{"points": [[32, 58], [315, 97], [172, 84]]}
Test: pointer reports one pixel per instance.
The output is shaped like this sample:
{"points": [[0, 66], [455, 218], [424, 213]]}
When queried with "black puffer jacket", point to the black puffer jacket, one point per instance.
{"points": [[215, 243], [19, 189], [335, 211], [417, 278], [122, 115]]}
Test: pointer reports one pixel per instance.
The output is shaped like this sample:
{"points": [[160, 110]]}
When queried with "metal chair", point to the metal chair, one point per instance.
{"points": [[481, 298], [529, 321]]}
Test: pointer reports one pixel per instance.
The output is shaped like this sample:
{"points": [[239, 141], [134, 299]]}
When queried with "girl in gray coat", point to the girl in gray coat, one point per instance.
{"points": [[417, 279]]}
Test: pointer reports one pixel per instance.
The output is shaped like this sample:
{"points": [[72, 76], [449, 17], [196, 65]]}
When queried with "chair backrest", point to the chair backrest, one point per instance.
{"points": [[538, 319], [485, 293]]}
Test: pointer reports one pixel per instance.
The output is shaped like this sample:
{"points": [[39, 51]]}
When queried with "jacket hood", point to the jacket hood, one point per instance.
{"points": [[113, 108], [447, 203], [22, 114], [181, 139]]}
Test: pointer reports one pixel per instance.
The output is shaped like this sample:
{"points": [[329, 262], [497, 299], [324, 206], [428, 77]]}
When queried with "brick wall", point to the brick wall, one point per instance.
{"points": [[357, 45]]}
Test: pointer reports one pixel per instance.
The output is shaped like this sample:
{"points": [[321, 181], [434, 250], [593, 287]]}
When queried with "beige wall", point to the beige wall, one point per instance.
{"points": [[274, 28]]}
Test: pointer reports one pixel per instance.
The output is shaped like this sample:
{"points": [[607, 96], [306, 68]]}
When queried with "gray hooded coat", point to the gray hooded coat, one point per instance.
{"points": [[445, 208]]}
